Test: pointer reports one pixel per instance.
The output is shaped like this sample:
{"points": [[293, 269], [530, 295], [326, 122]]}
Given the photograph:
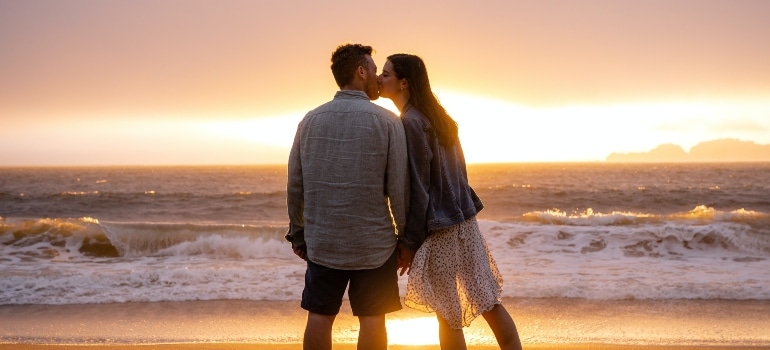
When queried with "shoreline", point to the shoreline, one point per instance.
{"points": [[240, 346], [556, 323]]}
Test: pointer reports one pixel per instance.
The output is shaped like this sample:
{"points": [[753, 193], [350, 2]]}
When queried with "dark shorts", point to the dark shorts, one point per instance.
{"points": [[372, 292]]}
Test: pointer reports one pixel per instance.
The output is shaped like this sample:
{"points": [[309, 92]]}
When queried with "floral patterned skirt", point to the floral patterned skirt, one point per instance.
{"points": [[454, 275]]}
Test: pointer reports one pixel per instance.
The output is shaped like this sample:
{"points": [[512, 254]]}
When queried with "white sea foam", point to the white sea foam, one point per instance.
{"points": [[700, 214], [666, 261], [652, 261]]}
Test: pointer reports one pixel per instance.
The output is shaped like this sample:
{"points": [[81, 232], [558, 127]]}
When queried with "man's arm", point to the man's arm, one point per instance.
{"points": [[397, 190], [397, 176]]}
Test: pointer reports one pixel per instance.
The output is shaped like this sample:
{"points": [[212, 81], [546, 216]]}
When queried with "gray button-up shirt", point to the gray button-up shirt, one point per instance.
{"points": [[348, 183]]}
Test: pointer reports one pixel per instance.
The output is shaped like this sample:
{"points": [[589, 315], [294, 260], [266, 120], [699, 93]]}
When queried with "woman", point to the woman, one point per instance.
{"points": [[452, 272]]}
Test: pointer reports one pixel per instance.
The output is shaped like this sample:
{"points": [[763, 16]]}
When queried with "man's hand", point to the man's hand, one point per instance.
{"points": [[301, 252], [405, 258]]}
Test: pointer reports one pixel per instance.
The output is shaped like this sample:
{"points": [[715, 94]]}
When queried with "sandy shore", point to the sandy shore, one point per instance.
{"points": [[237, 324], [225, 346]]}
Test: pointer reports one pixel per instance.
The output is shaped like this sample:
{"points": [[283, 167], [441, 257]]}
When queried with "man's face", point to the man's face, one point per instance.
{"points": [[370, 86]]}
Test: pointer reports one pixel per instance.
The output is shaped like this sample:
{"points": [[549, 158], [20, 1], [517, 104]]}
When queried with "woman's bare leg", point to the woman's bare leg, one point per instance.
{"points": [[450, 339], [503, 327]]}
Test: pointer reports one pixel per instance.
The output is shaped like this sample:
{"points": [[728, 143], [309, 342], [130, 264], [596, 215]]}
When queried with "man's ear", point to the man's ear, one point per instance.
{"points": [[361, 71]]}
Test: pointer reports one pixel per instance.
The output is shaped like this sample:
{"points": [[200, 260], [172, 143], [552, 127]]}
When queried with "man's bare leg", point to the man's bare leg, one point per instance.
{"points": [[318, 332], [372, 334]]}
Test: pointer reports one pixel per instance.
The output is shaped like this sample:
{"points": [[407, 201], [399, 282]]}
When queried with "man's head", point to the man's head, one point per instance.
{"points": [[354, 69]]}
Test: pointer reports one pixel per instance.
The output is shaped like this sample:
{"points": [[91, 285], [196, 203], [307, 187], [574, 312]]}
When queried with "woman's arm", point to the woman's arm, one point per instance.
{"points": [[420, 156]]}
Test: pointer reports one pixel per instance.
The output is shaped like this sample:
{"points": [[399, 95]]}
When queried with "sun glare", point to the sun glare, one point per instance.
{"points": [[276, 131], [491, 131], [501, 131], [494, 131], [413, 331]]}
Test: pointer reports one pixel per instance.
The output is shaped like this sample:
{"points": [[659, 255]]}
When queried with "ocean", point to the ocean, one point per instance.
{"points": [[595, 231]]}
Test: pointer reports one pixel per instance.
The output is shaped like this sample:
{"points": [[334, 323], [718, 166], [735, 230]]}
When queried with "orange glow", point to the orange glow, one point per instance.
{"points": [[499, 131], [412, 331], [277, 131], [526, 81]]}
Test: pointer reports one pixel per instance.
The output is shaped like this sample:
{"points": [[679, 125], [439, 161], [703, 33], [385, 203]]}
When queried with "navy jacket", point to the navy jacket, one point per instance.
{"points": [[439, 194]]}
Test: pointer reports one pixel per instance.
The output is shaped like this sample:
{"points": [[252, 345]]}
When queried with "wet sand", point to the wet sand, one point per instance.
{"points": [[236, 324], [225, 346]]}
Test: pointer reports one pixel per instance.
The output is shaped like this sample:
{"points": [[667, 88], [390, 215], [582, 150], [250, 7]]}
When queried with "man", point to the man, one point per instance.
{"points": [[346, 197]]}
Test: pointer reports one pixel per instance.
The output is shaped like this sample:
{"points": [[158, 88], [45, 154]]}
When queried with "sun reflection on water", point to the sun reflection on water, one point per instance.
{"points": [[412, 331]]}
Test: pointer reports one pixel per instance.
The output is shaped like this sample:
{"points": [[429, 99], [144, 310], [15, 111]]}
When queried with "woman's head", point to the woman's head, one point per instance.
{"points": [[411, 78], [411, 73], [393, 85]]}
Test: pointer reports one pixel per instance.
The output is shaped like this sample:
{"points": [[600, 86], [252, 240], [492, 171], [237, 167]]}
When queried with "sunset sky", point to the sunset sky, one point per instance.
{"points": [[225, 82]]}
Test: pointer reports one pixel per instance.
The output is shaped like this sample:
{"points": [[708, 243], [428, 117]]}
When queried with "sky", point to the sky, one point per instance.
{"points": [[177, 82]]}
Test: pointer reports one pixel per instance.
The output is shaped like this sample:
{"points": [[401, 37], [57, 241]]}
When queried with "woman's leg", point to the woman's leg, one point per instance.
{"points": [[450, 339], [503, 327]]}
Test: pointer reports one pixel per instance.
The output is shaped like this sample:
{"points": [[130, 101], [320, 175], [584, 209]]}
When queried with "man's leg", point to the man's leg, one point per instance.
{"points": [[318, 332], [374, 293], [372, 334], [322, 297]]}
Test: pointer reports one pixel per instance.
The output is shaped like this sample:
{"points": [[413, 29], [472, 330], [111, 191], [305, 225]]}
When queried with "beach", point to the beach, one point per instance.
{"points": [[352, 346], [557, 323]]}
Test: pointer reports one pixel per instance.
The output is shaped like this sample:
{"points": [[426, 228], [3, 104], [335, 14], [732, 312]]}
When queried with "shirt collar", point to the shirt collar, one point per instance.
{"points": [[354, 94]]}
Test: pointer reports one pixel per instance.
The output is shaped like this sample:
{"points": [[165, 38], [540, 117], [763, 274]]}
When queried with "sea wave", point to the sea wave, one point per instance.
{"points": [[148, 204], [84, 260], [54, 261], [701, 214], [88, 238], [669, 260], [98, 235]]}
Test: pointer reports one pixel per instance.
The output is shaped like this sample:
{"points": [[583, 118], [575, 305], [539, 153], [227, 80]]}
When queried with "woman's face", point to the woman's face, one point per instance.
{"points": [[389, 84]]}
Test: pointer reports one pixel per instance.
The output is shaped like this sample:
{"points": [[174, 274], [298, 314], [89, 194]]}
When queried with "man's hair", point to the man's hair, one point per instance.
{"points": [[346, 59]]}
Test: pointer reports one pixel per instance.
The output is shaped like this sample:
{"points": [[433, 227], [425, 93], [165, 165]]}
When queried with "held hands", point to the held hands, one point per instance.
{"points": [[405, 258]]}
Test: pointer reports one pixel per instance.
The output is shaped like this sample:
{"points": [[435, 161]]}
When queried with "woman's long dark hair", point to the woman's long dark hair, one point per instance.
{"points": [[421, 96]]}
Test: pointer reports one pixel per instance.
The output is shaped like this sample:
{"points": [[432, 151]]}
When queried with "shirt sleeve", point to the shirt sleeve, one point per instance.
{"points": [[397, 176], [295, 200], [419, 160]]}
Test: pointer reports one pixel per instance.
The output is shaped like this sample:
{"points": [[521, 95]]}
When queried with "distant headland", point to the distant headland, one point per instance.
{"points": [[723, 150]]}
